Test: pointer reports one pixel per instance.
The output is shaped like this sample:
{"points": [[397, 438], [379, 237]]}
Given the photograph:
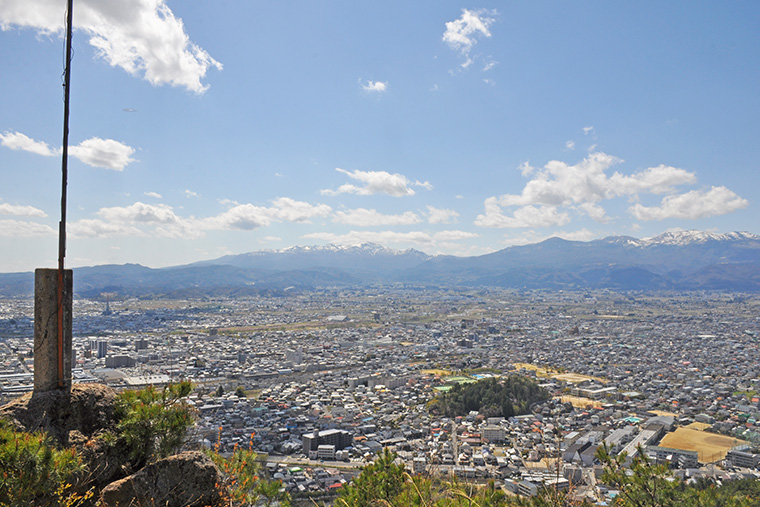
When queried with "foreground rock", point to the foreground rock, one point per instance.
{"points": [[88, 410], [187, 479]]}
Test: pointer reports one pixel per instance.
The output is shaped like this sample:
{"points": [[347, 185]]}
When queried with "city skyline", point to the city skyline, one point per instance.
{"points": [[200, 130]]}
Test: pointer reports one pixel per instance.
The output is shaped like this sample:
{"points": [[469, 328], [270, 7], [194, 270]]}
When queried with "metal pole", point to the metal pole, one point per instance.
{"points": [[64, 181]]}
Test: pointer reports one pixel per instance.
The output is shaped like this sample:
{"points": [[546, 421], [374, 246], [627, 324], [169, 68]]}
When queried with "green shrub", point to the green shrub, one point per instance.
{"points": [[33, 471], [154, 422]]}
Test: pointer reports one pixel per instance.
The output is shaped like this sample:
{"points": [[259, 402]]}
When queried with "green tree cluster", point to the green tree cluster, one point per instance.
{"points": [[492, 397]]}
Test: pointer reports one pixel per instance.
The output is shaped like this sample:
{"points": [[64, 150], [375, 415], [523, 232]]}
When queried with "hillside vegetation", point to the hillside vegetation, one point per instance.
{"points": [[492, 397]]}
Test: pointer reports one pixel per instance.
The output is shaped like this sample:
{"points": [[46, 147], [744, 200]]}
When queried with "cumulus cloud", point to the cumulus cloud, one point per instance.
{"points": [[24, 229], [290, 210], [105, 153], [21, 211], [96, 228], [155, 195], [19, 141], [143, 37], [375, 86], [692, 205], [580, 187], [249, 216], [596, 212], [369, 217], [463, 33], [526, 216], [96, 152], [377, 182], [441, 216], [141, 219]]}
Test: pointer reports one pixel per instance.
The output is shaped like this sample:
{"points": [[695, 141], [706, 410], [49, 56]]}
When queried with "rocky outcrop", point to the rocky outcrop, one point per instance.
{"points": [[187, 479], [75, 420], [86, 411]]}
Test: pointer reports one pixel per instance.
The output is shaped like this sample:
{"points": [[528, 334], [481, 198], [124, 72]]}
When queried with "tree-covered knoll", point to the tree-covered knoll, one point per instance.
{"points": [[492, 397]]}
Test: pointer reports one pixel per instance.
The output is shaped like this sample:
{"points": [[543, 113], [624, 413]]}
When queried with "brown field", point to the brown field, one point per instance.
{"points": [[579, 402], [697, 426], [711, 447], [574, 378], [663, 412], [440, 373]]}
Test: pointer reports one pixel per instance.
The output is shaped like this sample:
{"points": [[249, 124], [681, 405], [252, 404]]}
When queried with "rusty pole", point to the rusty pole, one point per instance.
{"points": [[64, 178]]}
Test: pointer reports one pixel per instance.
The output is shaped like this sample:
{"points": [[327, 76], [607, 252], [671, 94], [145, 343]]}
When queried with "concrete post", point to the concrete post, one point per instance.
{"points": [[46, 347]]}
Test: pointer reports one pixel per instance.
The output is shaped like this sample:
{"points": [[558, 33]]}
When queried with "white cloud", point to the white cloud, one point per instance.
{"points": [[570, 145], [142, 37], [290, 210], [375, 86], [95, 228], [596, 212], [581, 186], [244, 217], [692, 205], [443, 239], [454, 235], [462, 34], [490, 64], [105, 153], [526, 216], [588, 130], [140, 213], [140, 219], [441, 216], [249, 216], [155, 195], [23, 229], [376, 182], [21, 211], [369, 217], [19, 141]]}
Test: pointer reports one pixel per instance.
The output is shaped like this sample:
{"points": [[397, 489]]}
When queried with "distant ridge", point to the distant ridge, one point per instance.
{"points": [[685, 260]]}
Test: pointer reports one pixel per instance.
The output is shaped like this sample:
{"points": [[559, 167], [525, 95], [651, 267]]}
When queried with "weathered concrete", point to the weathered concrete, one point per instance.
{"points": [[46, 367]]}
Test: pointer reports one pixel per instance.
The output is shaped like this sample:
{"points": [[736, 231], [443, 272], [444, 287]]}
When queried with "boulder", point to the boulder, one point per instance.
{"points": [[187, 479], [88, 409]]}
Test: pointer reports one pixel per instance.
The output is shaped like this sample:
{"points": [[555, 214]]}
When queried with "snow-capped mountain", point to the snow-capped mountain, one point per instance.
{"points": [[683, 238], [685, 260]]}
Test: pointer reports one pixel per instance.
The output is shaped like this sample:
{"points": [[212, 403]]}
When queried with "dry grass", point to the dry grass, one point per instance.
{"points": [[573, 378], [579, 402], [440, 373], [710, 446]]}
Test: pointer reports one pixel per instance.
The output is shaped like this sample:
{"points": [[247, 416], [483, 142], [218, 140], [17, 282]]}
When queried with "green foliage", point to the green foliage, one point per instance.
{"points": [[154, 422], [491, 397], [244, 483], [240, 392], [645, 484], [32, 470], [379, 483]]}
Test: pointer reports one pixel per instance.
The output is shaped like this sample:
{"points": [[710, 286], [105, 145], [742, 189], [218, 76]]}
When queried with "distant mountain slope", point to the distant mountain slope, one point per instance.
{"points": [[688, 260]]}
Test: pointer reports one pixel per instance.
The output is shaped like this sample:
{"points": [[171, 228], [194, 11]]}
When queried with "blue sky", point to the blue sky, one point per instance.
{"points": [[204, 128]]}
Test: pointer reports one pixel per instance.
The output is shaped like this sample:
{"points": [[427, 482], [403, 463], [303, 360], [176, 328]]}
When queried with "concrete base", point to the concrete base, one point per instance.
{"points": [[46, 348]]}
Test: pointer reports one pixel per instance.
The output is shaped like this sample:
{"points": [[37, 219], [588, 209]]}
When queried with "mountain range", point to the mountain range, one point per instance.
{"points": [[686, 260]]}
